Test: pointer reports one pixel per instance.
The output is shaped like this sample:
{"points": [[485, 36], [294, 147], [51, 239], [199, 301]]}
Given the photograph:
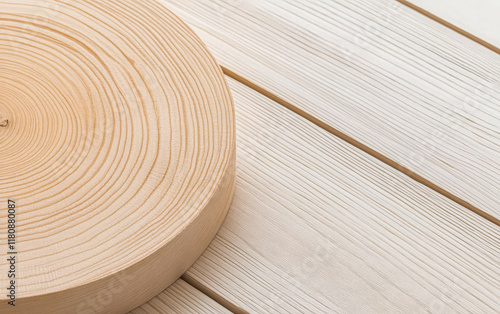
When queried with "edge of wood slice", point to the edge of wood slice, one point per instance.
{"points": [[118, 149]]}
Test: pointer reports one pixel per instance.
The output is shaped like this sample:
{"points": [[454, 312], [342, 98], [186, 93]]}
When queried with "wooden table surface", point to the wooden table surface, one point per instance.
{"points": [[368, 176]]}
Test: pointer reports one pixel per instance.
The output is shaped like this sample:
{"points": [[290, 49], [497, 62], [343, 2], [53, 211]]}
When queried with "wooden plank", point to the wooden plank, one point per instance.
{"points": [[180, 298], [407, 87], [477, 19], [319, 226]]}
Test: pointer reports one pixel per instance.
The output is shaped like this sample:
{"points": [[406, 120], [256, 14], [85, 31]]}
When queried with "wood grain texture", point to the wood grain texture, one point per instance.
{"points": [[119, 151], [477, 19], [180, 298], [318, 226], [407, 87]]}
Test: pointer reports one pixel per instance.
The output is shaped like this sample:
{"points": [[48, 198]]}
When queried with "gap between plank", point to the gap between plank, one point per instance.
{"points": [[213, 295], [451, 26], [361, 146]]}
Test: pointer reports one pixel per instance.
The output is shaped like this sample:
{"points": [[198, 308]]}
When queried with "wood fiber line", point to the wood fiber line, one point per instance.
{"points": [[119, 152], [454, 27], [319, 226], [180, 298], [391, 80]]}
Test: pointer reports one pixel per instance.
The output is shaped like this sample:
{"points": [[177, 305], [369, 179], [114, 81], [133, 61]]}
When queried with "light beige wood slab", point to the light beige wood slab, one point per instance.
{"points": [[119, 151], [318, 226], [424, 97], [477, 19], [180, 298]]}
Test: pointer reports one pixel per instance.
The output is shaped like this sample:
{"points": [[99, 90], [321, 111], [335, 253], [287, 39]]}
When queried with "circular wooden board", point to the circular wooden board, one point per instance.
{"points": [[117, 153]]}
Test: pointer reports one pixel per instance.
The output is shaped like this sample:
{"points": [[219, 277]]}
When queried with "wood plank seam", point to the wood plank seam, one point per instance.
{"points": [[180, 297], [361, 146], [450, 25], [230, 306]]}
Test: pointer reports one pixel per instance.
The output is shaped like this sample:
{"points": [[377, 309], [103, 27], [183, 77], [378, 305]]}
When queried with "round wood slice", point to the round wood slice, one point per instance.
{"points": [[117, 145]]}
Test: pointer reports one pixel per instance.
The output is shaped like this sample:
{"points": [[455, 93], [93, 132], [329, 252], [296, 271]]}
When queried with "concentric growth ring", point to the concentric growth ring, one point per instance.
{"points": [[116, 153]]}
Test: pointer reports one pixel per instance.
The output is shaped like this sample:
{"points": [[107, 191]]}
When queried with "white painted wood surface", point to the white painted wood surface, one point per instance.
{"points": [[318, 226], [406, 86], [477, 17], [180, 298]]}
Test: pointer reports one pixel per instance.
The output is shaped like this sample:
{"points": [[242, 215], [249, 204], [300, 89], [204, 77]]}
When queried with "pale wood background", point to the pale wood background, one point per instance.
{"points": [[368, 162], [375, 71]]}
